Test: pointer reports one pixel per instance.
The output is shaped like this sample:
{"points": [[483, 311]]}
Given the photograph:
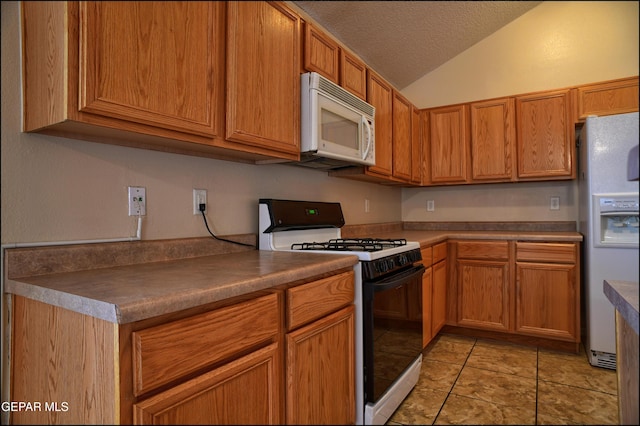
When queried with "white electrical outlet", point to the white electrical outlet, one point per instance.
{"points": [[137, 201], [431, 205], [555, 203], [199, 197]]}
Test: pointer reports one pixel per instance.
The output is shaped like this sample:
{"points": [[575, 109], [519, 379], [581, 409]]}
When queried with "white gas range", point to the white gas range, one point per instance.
{"points": [[386, 266]]}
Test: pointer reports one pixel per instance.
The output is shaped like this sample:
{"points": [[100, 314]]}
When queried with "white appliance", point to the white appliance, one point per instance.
{"points": [[608, 220], [286, 225], [337, 127]]}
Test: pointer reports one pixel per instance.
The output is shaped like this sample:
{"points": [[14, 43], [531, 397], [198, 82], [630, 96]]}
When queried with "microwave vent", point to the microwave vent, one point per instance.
{"points": [[345, 96]]}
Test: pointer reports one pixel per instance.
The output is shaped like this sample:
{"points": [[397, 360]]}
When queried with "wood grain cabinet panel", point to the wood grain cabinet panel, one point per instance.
{"points": [[321, 371], [448, 142], [546, 147], [416, 147], [380, 95], [548, 290], [353, 74], [402, 137], [263, 77], [607, 98], [493, 139], [321, 53], [245, 391], [200, 341]]}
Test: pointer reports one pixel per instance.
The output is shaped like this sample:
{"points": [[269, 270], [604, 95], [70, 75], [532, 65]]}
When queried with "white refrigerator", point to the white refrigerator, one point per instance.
{"points": [[608, 221]]}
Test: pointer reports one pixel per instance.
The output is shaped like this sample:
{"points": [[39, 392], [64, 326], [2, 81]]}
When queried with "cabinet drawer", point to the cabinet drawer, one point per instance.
{"points": [[427, 256], [546, 252], [316, 299], [167, 352], [483, 250], [439, 252]]}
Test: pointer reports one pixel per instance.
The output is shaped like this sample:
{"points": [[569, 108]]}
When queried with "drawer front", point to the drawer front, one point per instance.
{"points": [[439, 252], [316, 299], [167, 352], [546, 252], [427, 256], [498, 250]]}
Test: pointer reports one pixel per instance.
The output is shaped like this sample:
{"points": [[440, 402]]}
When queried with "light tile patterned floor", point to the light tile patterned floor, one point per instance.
{"points": [[477, 381]]}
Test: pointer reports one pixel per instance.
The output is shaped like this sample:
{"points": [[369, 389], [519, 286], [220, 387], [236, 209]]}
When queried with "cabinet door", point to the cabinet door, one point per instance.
{"points": [[546, 300], [448, 144], [416, 147], [155, 63], [427, 290], [263, 77], [245, 391], [402, 137], [321, 371], [321, 53], [483, 294], [545, 136], [380, 95], [353, 74], [493, 138], [439, 297]]}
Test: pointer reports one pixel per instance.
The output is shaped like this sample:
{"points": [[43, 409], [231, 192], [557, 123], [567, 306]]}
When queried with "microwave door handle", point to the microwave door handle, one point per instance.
{"points": [[369, 138]]}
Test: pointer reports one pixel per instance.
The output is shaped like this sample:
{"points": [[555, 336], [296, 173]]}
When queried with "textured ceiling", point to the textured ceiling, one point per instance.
{"points": [[404, 40]]}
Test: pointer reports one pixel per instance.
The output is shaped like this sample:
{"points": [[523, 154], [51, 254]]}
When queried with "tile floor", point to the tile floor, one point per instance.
{"points": [[480, 381]]}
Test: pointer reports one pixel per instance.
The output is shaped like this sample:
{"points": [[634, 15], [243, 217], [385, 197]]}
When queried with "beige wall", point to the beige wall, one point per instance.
{"points": [[60, 189], [554, 45]]}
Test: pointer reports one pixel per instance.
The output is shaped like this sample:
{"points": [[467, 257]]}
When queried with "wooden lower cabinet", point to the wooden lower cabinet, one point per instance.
{"points": [[547, 290], [246, 360], [244, 391], [320, 360], [483, 285], [523, 291], [434, 291]]}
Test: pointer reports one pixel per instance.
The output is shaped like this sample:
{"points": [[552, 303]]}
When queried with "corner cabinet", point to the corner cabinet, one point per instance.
{"points": [[448, 144], [545, 136]]}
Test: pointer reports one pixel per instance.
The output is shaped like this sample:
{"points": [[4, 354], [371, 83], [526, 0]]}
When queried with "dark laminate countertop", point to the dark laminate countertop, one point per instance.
{"points": [[127, 282], [124, 294], [623, 295]]}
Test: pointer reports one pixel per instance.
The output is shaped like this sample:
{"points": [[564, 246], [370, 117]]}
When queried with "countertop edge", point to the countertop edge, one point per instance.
{"points": [[623, 295]]}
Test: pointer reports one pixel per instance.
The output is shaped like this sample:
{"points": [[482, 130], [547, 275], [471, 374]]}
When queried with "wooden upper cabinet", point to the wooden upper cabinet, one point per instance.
{"points": [[545, 145], [380, 95], [607, 98], [146, 62], [426, 148], [321, 53], [263, 77], [493, 138], [448, 141], [353, 74], [402, 137], [416, 147], [144, 67]]}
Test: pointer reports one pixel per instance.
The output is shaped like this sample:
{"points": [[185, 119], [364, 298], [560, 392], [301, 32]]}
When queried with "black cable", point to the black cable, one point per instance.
{"points": [[222, 239]]}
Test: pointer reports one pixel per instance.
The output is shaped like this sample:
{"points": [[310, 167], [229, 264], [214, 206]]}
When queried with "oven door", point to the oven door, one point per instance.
{"points": [[392, 329]]}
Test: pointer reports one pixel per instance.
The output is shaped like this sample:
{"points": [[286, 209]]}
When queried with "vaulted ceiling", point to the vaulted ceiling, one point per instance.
{"points": [[404, 40]]}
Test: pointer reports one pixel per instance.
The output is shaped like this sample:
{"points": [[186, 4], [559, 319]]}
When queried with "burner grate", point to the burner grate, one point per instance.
{"points": [[351, 244]]}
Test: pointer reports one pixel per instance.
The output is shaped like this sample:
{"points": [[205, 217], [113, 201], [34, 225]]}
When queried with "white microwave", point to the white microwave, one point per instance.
{"points": [[338, 128]]}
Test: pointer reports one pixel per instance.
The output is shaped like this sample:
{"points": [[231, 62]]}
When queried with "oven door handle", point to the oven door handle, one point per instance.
{"points": [[397, 280]]}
